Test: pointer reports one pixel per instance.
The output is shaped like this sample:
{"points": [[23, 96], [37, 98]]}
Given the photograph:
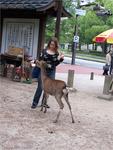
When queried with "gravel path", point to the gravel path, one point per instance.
{"points": [[22, 128]]}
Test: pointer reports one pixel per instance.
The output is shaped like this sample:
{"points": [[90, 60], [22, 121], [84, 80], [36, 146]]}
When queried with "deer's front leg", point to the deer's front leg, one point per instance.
{"points": [[43, 101]]}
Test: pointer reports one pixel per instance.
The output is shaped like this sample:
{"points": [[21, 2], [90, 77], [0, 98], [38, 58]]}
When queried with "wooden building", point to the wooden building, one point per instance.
{"points": [[23, 23]]}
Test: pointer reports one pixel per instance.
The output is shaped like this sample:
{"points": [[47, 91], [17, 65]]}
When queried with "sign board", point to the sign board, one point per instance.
{"points": [[80, 12], [76, 39], [21, 33]]}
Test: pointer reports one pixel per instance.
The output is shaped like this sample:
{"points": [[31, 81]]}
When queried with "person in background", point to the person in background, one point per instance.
{"points": [[111, 65], [108, 63], [53, 58]]}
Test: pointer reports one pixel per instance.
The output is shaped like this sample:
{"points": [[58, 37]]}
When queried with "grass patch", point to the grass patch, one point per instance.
{"points": [[94, 56]]}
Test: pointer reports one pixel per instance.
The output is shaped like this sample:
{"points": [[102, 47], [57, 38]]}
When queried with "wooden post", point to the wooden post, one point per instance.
{"points": [[92, 76], [107, 82], [70, 78]]}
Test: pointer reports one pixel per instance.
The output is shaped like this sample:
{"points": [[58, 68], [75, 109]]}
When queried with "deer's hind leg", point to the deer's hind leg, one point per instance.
{"points": [[61, 105], [67, 101], [44, 102]]}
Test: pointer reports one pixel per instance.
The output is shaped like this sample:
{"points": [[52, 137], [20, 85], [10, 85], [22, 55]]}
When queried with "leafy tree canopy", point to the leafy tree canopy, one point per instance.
{"points": [[88, 26]]}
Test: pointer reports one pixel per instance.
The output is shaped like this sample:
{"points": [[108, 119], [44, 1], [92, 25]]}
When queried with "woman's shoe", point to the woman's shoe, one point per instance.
{"points": [[33, 106]]}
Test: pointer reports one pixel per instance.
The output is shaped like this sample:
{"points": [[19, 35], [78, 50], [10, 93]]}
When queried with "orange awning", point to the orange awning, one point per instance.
{"points": [[106, 36]]}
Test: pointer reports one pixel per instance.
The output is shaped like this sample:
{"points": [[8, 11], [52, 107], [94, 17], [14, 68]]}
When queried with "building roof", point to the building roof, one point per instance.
{"points": [[38, 5]]}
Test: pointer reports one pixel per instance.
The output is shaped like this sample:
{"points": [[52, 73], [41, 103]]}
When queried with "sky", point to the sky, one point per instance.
{"points": [[83, 2]]}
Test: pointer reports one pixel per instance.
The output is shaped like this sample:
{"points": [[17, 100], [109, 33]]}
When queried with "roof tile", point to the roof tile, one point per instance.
{"points": [[25, 4]]}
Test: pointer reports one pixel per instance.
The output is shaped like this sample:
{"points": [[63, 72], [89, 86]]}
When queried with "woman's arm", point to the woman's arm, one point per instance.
{"points": [[60, 58]]}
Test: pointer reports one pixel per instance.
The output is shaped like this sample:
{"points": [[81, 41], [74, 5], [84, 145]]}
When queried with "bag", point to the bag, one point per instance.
{"points": [[35, 72], [106, 67]]}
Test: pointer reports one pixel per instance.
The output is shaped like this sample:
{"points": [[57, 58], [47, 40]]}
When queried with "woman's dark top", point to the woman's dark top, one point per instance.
{"points": [[51, 59]]}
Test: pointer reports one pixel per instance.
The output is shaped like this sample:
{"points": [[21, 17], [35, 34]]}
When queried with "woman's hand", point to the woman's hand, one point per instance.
{"points": [[61, 56]]}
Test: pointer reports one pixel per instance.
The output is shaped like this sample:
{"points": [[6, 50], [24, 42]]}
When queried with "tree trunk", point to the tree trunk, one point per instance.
{"points": [[80, 46], [87, 46]]}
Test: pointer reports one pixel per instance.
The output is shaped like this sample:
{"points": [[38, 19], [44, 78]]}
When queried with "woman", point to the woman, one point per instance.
{"points": [[111, 66], [52, 58], [108, 63]]}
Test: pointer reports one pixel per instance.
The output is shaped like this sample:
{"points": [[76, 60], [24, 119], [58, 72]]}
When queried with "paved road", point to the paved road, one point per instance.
{"points": [[64, 68], [85, 63]]}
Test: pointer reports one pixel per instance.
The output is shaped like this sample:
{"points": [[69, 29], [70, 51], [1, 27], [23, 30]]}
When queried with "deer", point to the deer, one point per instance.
{"points": [[54, 87]]}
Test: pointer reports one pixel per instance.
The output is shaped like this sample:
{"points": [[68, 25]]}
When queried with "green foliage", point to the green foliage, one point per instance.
{"points": [[50, 28], [69, 6], [88, 26], [108, 4], [67, 29], [109, 22]]}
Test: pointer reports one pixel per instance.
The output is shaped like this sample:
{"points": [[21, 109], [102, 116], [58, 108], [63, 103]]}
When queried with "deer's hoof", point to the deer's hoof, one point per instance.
{"points": [[73, 121], [45, 111], [55, 121]]}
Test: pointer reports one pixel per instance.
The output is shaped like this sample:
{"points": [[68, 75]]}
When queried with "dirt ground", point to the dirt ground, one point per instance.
{"points": [[22, 128]]}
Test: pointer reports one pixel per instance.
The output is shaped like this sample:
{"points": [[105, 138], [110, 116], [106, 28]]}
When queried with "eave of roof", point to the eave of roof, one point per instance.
{"points": [[37, 5]]}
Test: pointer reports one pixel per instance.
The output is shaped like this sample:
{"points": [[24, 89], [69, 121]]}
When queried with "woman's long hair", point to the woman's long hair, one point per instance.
{"points": [[55, 40]]}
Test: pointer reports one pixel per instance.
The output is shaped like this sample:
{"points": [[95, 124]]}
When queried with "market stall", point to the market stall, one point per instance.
{"points": [[15, 64]]}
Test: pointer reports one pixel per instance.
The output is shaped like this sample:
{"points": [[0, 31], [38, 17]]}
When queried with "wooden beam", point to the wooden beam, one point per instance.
{"points": [[41, 39], [19, 14], [59, 13]]}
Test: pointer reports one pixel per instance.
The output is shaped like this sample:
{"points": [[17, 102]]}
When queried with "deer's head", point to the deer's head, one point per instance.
{"points": [[41, 64]]}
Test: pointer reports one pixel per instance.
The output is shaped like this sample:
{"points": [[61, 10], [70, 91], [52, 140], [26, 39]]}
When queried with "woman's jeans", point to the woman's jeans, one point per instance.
{"points": [[38, 92], [111, 69]]}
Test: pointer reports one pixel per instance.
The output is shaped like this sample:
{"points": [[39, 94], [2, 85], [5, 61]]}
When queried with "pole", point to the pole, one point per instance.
{"points": [[74, 45]]}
